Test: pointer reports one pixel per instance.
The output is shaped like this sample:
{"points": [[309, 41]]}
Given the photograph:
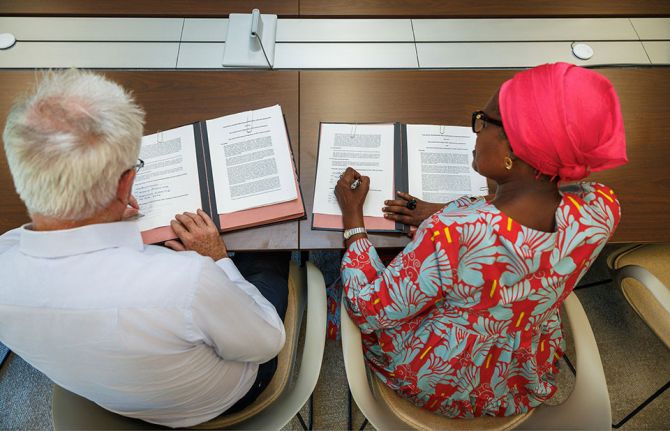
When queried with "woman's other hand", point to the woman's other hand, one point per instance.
{"points": [[351, 200], [397, 209]]}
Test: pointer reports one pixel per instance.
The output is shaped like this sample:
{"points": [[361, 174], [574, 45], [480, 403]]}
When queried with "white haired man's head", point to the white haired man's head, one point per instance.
{"points": [[69, 141]]}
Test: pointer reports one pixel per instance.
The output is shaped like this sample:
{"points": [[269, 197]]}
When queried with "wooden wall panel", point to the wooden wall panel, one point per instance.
{"points": [[484, 8], [148, 8]]}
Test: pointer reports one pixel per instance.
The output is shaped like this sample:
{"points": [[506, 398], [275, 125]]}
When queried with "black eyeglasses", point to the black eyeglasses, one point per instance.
{"points": [[139, 165], [480, 119]]}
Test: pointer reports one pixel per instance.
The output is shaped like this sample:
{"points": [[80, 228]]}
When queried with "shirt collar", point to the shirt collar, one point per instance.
{"points": [[85, 239]]}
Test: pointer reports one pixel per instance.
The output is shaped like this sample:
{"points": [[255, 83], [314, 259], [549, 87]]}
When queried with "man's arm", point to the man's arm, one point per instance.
{"points": [[228, 312], [233, 316]]}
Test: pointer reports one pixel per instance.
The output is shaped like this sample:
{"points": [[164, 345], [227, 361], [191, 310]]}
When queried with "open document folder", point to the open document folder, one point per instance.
{"points": [[432, 163], [238, 168]]}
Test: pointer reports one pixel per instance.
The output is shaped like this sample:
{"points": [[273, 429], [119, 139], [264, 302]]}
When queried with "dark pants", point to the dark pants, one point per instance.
{"points": [[269, 273]]}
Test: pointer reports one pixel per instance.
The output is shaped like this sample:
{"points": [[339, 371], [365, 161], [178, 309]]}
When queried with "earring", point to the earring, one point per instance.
{"points": [[508, 163]]}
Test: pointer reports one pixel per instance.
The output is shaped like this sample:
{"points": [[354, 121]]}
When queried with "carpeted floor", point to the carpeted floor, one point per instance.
{"points": [[636, 364]]}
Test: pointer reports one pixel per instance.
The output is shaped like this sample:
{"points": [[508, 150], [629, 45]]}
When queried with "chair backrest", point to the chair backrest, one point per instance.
{"points": [[386, 410], [643, 274], [422, 419], [587, 407], [285, 359], [72, 412]]}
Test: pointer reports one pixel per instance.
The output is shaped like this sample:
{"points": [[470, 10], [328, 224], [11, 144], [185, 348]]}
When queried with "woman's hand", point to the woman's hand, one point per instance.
{"points": [[197, 232], [397, 209], [351, 200]]}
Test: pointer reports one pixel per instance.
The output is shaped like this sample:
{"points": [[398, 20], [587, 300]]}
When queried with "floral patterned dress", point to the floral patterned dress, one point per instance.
{"points": [[465, 320]]}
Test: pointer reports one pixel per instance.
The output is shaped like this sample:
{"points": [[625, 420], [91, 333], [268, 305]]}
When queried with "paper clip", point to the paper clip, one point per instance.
{"points": [[249, 126], [352, 135], [443, 130], [160, 138]]}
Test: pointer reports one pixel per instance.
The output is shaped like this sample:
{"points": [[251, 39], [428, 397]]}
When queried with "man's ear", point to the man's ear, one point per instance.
{"points": [[125, 186]]}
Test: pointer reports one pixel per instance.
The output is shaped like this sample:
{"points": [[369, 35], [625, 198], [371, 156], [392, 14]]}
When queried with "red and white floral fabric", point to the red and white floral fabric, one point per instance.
{"points": [[465, 320]]}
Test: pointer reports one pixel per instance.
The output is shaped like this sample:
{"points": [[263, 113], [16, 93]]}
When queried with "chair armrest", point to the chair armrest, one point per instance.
{"points": [[655, 286], [588, 406], [354, 364], [289, 403]]}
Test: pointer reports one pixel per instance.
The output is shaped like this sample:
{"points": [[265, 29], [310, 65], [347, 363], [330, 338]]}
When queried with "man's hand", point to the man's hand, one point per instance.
{"points": [[198, 233], [397, 210], [132, 210]]}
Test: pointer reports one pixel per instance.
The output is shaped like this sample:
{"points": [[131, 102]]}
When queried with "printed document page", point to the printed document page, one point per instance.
{"points": [[251, 160], [439, 163], [368, 148], [168, 183]]}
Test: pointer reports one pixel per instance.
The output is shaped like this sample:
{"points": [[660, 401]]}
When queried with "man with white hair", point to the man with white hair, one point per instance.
{"points": [[171, 337]]}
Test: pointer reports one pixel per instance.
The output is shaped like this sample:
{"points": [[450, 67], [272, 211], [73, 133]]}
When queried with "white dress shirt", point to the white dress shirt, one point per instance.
{"points": [[172, 338]]}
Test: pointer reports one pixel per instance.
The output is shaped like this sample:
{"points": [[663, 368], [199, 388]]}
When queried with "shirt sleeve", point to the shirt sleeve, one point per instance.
{"points": [[234, 317], [381, 297]]}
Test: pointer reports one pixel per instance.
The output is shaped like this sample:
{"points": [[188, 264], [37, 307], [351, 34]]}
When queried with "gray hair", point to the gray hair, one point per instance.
{"points": [[69, 141]]}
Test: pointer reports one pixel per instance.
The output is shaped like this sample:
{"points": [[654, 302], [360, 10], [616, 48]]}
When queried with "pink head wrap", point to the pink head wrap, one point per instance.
{"points": [[563, 120]]}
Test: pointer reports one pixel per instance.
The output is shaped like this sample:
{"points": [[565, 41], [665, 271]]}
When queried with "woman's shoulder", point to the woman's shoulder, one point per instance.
{"points": [[591, 195], [595, 203]]}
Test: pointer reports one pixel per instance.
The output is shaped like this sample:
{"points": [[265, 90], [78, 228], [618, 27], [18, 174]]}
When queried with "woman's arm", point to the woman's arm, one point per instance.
{"points": [[379, 297]]}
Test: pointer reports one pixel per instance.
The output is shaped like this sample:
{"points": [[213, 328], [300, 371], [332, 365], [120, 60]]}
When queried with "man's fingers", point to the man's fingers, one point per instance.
{"points": [[186, 221], [175, 245], [196, 219], [133, 202], [208, 221], [180, 230]]}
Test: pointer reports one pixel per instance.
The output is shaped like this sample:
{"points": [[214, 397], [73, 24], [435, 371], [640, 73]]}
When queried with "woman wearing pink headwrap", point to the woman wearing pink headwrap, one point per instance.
{"points": [[465, 320]]}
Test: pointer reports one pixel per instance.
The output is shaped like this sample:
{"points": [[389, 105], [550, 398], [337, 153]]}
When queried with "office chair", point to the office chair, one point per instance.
{"points": [[642, 272], [290, 388], [587, 407]]}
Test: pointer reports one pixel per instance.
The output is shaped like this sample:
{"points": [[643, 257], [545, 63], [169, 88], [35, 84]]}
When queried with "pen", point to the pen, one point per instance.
{"points": [[135, 217]]}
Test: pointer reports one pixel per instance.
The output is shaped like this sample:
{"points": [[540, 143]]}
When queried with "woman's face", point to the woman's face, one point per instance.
{"points": [[492, 146]]}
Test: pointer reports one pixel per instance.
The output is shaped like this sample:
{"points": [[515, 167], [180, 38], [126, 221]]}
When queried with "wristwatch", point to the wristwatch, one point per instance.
{"points": [[353, 231]]}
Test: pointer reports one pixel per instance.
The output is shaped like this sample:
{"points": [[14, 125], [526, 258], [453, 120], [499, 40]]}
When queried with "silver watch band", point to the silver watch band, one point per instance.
{"points": [[353, 231]]}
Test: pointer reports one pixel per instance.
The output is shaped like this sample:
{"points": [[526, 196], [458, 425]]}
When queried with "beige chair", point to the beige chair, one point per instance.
{"points": [[587, 407], [642, 272], [288, 391]]}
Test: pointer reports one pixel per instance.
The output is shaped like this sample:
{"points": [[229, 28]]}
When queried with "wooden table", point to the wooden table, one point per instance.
{"points": [[449, 97], [171, 99], [341, 8]]}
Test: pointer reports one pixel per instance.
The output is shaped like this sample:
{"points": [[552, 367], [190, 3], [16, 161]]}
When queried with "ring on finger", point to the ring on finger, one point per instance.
{"points": [[411, 204]]}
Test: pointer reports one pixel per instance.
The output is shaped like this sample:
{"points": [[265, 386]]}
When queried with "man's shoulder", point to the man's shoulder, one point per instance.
{"points": [[156, 276], [10, 239], [164, 264]]}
